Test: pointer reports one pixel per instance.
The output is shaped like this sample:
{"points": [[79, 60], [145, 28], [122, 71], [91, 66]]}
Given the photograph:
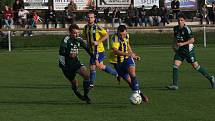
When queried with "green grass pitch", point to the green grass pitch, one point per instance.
{"points": [[33, 88]]}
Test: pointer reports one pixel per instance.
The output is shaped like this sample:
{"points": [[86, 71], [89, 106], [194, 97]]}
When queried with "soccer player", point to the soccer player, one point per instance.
{"points": [[184, 49], [123, 59], [70, 63], [95, 36]]}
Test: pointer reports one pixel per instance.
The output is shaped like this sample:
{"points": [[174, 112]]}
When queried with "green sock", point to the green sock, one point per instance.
{"points": [[175, 75], [203, 72]]}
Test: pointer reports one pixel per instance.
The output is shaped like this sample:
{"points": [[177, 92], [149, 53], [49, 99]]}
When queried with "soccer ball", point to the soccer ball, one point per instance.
{"points": [[135, 98]]}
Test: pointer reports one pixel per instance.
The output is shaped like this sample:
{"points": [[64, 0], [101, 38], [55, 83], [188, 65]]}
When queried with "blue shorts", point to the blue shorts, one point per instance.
{"points": [[99, 56], [122, 68]]}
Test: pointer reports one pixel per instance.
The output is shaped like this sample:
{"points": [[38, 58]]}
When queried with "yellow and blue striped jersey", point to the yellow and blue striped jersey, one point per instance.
{"points": [[121, 45], [94, 33]]}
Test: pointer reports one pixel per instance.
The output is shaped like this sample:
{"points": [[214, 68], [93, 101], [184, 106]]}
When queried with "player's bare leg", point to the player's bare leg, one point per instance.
{"points": [[74, 84], [86, 83]]}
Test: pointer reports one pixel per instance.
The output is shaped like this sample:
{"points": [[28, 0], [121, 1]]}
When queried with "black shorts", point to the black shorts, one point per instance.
{"points": [[70, 72]]}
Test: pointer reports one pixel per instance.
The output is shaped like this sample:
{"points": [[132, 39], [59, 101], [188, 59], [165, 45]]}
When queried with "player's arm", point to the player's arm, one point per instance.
{"points": [[190, 37], [104, 35], [118, 52], [83, 44], [115, 45], [190, 41], [174, 40], [62, 50], [132, 54], [174, 44]]}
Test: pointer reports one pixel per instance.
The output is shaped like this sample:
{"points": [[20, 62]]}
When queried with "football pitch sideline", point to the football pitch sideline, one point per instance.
{"points": [[33, 88]]}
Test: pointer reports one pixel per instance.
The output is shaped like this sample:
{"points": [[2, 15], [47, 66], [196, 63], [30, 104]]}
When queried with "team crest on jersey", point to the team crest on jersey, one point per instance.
{"points": [[182, 32]]}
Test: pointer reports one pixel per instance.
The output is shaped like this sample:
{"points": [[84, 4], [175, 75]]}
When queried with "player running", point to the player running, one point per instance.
{"points": [[184, 49], [70, 63], [122, 57], [95, 36]]}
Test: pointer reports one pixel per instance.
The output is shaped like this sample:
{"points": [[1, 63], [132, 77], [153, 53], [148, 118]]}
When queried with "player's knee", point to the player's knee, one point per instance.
{"points": [[86, 77], [196, 67], [100, 66], [175, 66]]}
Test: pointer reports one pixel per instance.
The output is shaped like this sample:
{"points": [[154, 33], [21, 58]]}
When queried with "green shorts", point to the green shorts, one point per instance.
{"points": [[189, 56]]}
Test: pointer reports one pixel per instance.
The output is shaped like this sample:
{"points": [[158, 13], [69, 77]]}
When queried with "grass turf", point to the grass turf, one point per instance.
{"points": [[32, 88]]}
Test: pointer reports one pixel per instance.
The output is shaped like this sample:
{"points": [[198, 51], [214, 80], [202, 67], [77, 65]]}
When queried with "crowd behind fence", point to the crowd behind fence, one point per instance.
{"points": [[16, 17]]}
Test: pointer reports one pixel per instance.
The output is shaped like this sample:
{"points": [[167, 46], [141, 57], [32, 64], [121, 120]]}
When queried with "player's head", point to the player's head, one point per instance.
{"points": [[91, 17], [74, 30], [181, 20], [122, 31]]}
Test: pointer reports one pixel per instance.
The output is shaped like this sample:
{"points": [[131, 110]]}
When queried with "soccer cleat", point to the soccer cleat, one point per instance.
{"points": [[87, 99], [144, 98], [91, 86], [172, 87], [81, 97], [212, 81]]}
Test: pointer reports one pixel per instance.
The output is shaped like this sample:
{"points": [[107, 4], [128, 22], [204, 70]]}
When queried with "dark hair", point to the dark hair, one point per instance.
{"points": [[181, 15], [73, 26], [121, 28], [90, 12]]}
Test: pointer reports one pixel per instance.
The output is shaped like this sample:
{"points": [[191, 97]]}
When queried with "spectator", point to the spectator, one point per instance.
{"points": [[32, 22], [213, 12], [204, 14], [1, 22], [72, 6], [107, 17], [16, 7], [50, 16], [22, 14], [154, 16], [175, 6], [36, 18], [132, 16], [164, 15], [116, 16], [67, 17], [143, 17], [8, 17]]}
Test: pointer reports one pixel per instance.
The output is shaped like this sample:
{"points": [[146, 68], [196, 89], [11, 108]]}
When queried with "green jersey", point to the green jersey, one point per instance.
{"points": [[68, 52], [183, 35]]}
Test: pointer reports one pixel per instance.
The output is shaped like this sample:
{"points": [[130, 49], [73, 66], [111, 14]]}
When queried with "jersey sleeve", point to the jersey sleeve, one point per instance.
{"points": [[62, 50], [189, 33], [115, 42], [102, 31]]}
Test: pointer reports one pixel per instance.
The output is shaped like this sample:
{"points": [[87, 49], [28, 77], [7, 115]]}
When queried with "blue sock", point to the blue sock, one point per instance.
{"points": [[110, 70], [134, 84], [92, 76]]}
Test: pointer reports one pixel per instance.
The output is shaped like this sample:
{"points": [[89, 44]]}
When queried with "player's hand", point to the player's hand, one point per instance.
{"points": [[137, 58], [132, 55], [95, 43], [180, 44], [72, 55]]}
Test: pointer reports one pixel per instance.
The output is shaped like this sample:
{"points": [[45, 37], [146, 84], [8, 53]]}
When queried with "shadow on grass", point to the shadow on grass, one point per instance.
{"points": [[53, 86], [66, 103]]}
